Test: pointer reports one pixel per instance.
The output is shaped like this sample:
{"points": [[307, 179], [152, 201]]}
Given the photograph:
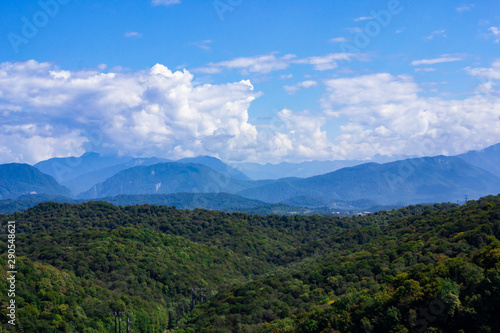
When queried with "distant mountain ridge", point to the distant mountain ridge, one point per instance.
{"points": [[217, 165], [79, 174], [166, 178], [66, 168], [83, 182], [258, 171], [421, 180], [212, 201], [19, 179], [487, 158], [416, 180]]}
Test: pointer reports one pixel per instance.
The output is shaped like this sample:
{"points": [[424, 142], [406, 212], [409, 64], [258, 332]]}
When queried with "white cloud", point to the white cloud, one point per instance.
{"points": [[300, 85], [435, 60], [385, 114], [264, 64], [50, 112], [355, 30], [363, 18], [491, 73], [204, 45], [129, 34], [465, 8], [339, 40], [329, 61], [152, 113], [258, 64], [380, 88], [427, 69], [297, 136], [435, 33], [496, 32], [165, 2]]}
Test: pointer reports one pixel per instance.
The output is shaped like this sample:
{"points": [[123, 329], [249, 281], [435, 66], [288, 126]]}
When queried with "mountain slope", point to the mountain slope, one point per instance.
{"points": [[84, 182], [217, 201], [430, 272], [283, 170], [217, 165], [487, 159], [428, 179], [303, 169], [165, 178], [66, 168], [213, 201], [260, 273], [57, 300], [18, 179]]}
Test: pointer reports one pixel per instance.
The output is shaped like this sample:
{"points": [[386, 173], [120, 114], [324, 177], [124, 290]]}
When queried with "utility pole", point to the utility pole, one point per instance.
{"points": [[197, 296], [128, 321], [466, 198], [202, 295], [194, 297], [116, 320]]}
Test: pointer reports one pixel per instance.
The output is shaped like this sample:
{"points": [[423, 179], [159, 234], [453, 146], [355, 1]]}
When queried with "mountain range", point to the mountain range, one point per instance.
{"points": [[429, 179], [409, 181], [20, 179], [164, 178], [487, 159]]}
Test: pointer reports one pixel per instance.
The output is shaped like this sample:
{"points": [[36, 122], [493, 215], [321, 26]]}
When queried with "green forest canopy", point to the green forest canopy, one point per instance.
{"points": [[418, 268]]}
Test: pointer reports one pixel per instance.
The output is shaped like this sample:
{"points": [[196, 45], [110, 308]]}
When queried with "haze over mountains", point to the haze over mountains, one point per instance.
{"points": [[428, 179], [20, 179], [410, 181]]}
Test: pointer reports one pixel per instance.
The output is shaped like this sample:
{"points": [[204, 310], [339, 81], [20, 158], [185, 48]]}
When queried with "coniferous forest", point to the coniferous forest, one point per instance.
{"points": [[425, 268]]}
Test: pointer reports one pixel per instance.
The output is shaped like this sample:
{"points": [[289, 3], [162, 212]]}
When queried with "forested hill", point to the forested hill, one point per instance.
{"points": [[17, 179], [375, 273]]}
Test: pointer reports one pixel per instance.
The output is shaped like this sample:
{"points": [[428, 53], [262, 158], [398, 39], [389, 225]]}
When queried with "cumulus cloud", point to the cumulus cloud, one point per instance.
{"points": [[435, 60], [491, 73], [385, 114], [297, 136], [49, 112], [380, 88], [300, 85]]}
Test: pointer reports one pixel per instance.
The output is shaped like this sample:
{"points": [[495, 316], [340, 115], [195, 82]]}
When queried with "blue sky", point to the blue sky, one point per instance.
{"points": [[261, 81]]}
